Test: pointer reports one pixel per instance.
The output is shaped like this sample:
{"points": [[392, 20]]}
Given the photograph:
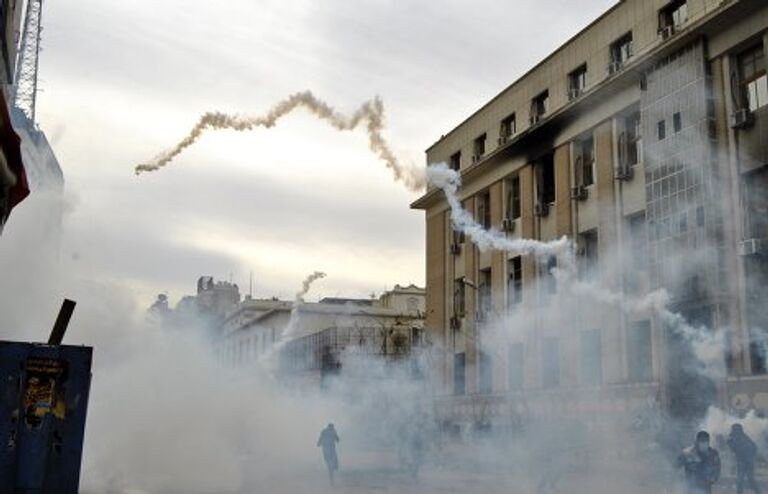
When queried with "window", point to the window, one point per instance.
{"points": [[484, 209], [674, 15], [677, 122], [662, 129], [458, 237], [459, 297], [629, 141], [585, 161], [547, 277], [550, 362], [588, 249], [621, 52], [637, 241], [755, 203], [514, 281], [478, 148], [752, 78], [639, 352], [577, 82], [539, 107], [513, 198], [455, 162], [757, 354], [545, 179], [459, 374], [591, 357], [515, 366], [486, 373], [484, 294], [508, 128]]}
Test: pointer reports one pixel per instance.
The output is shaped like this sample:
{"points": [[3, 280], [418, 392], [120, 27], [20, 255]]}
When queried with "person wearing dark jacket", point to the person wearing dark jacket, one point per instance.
{"points": [[701, 464], [327, 441], [745, 451]]}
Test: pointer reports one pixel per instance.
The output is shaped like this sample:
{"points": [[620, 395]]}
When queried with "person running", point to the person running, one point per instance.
{"points": [[701, 463], [327, 441], [745, 451]]}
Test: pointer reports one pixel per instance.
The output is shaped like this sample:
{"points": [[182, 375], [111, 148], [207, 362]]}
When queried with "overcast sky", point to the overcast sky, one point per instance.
{"points": [[122, 81]]}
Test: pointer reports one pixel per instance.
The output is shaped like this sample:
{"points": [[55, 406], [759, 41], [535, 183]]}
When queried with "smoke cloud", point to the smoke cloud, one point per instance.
{"points": [[449, 181], [538, 448], [293, 323], [371, 113]]}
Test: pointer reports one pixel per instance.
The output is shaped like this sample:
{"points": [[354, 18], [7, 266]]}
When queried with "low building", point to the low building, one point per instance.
{"points": [[387, 328]]}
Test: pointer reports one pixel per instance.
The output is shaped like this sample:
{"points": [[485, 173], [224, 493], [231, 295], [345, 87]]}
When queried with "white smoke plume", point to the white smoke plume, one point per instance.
{"points": [[718, 423], [370, 113], [293, 323], [449, 181], [292, 328]]}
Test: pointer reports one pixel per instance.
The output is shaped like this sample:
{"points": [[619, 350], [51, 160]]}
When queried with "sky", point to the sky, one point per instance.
{"points": [[122, 81]]}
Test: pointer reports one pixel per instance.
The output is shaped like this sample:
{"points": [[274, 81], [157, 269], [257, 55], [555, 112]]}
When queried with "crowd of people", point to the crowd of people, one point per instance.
{"points": [[700, 462]]}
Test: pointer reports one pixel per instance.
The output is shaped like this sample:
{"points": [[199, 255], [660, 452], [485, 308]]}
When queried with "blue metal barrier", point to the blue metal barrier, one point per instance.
{"points": [[43, 401]]}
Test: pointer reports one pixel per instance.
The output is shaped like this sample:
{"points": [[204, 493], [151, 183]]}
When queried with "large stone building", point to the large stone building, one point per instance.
{"points": [[644, 139]]}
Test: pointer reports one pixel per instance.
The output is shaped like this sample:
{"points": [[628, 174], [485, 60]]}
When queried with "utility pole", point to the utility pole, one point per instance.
{"points": [[25, 92]]}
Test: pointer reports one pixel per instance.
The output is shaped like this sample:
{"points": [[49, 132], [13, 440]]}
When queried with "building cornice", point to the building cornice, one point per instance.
{"points": [[629, 75]]}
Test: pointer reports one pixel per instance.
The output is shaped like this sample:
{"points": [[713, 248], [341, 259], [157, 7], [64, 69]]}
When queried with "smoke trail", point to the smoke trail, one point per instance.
{"points": [[293, 323], [371, 113], [449, 181], [414, 178]]}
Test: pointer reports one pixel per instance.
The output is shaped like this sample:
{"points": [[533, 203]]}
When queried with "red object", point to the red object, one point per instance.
{"points": [[10, 144]]}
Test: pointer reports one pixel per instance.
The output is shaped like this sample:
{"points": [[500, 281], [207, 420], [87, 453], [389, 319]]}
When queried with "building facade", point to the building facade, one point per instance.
{"points": [[386, 328], [644, 139]]}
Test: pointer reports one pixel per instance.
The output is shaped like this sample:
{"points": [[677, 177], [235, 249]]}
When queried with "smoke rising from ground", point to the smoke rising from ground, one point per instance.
{"points": [[293, 328]]}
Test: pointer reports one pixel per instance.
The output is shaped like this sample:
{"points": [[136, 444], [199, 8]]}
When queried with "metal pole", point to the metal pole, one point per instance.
{"points": [[62, 321]]}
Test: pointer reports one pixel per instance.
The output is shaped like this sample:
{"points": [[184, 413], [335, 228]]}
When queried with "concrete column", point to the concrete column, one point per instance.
{"points": [[470, 293], [728, 171], [436, 324], [613, 348], [563, 203], [527, 230]]}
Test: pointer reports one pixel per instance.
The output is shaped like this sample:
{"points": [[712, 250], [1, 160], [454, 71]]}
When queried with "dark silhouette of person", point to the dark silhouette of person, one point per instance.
{"points": [[745, 451], [701, 463], [327, 441], [416, 446]]}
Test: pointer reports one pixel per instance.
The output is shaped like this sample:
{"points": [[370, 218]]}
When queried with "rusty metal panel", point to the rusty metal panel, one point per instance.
{"points": [[43, 400]]}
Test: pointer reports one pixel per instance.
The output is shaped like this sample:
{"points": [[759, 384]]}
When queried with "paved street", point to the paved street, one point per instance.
{"points": [[383, 476]]}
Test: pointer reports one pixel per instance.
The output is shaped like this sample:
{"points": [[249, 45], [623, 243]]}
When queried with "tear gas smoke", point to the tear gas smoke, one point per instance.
{"points": [[208, 429], [718, 423], [293, 323], [449, 181], [370, 113]]}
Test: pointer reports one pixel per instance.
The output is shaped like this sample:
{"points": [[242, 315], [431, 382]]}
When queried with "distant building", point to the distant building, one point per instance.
{"points": [[208, 308], [388, 327], [216, 297]]}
